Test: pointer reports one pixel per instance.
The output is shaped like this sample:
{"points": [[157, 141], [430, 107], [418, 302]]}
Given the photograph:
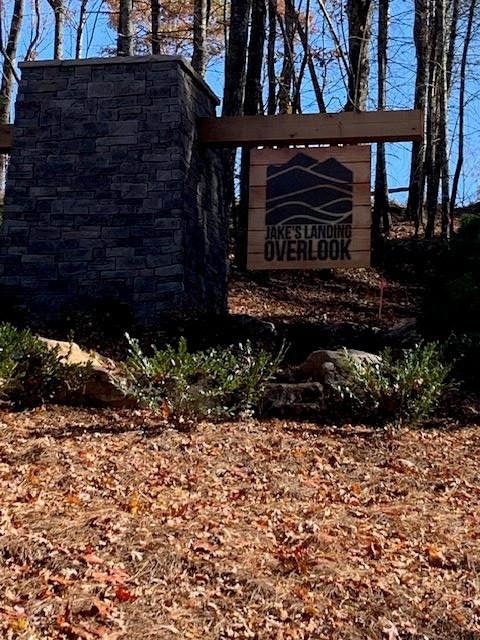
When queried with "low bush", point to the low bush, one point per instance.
{"points": [[396, 390], [452, 295], [463, 351], [216, 384], [31, 373], [452, 302]]}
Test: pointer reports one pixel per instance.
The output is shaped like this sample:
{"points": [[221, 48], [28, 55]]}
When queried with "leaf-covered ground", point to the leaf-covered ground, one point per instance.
{"points": [[113, 526], [342, 295]]}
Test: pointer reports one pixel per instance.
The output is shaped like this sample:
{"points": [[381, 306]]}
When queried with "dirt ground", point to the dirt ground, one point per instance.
{"points": [[114, 526]]}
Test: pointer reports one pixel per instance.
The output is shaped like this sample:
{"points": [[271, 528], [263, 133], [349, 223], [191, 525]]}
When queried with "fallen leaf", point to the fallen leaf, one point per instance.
{"points": [[92, 558], [116, 576], [98, 608], [356, 488], [134, 504], [21, 624], [123, 595], [435, 556]]}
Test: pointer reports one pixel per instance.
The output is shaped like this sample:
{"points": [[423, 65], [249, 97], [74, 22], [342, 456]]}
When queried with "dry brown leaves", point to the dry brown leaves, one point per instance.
{"points": [[346, 296], [112, 527]]}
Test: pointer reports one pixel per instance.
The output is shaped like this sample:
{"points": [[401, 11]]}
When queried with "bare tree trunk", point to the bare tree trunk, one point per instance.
{"points": [[417, 168], [234, 87], [9, 74], [125, 29], [81, 26], [9, 52], [381, 205], [432, 165], [253, 104], [453, 31], [359, 14], [297, 91], [272, 80], [461, 106], [58, 8], [35, 37], [236, 58], [155, 11], [199, 57], [287, 75], [303, 33], [443, 115], [437, 154]]}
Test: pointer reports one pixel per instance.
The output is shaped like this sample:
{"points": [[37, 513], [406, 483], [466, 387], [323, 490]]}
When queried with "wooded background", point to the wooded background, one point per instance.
{"points": [[292, 56]]}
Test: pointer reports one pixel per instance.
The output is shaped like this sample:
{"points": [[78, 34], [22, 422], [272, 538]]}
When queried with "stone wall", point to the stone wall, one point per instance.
{"points": [[109, 196]]}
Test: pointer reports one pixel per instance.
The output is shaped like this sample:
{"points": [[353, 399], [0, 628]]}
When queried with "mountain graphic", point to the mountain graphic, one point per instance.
{"points": [[306, 191]]}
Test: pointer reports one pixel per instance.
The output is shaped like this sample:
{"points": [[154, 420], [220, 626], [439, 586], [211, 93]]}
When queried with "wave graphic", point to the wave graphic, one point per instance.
{"points": [[307, 219], [306, 191]]}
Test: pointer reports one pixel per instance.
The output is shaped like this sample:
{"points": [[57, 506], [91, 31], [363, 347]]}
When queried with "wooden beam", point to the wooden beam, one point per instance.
{"points": [[323, 128], [6, 138]]}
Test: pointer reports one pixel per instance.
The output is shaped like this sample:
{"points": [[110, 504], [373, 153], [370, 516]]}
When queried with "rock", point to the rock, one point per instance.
{"points": [[100, 388], [302, 335], [403, 334], [260, 332], [300, 399], [329, 367]]}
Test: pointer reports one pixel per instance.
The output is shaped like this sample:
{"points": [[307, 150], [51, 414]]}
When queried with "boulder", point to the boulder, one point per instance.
{"points": [[100, 388], [295, 400], [329, 367], [403, 334], [260, 332]]}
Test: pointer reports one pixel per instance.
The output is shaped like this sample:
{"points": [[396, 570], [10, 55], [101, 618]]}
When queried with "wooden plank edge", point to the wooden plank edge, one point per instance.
{"points": [[234, 130]]}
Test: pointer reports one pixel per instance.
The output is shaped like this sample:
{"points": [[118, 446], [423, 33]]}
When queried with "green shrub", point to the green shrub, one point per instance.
{"points": [[30, 372], [215, 384], [463, 351], [397, 390], [452, 296]]}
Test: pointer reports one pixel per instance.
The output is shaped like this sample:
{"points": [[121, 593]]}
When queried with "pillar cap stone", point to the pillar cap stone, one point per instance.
{"points": [[85, 62]]}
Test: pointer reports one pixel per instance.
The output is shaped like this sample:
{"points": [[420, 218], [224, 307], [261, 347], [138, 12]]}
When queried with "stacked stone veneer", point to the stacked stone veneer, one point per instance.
{"points": [[109, 195]]}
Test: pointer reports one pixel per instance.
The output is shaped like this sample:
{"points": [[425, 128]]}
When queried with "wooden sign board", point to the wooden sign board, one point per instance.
{"points": [[309, 208]]}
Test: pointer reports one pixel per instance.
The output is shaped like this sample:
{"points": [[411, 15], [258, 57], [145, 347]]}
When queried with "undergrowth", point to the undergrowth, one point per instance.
{"points": [[218, 383], [396, 390], [31, 373]]}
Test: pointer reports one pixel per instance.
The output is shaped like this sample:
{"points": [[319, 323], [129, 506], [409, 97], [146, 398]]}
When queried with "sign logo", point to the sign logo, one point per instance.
{"points": [[305, 191], [309, 207]]}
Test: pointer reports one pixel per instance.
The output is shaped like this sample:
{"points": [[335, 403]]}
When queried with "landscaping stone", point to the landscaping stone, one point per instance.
{"points": [[100, 388], [260, 332], [329, 367], [404, 334], [294, 399]]}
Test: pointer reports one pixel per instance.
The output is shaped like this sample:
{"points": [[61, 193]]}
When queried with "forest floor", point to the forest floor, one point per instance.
{"points": [[359, 296], [113, 525]]}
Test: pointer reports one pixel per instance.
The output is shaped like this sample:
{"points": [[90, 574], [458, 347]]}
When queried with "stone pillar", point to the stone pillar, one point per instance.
{"points": [[109, 196]]}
